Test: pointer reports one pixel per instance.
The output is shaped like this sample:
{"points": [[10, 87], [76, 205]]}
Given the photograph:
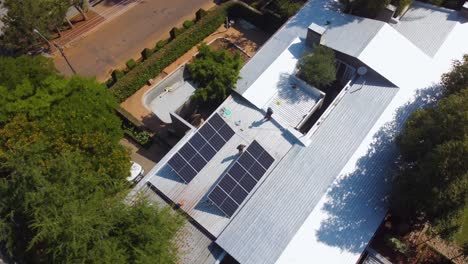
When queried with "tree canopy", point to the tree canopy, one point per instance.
{"points": [[215, 73], [62, 174], [433, 182], [318, 68]]}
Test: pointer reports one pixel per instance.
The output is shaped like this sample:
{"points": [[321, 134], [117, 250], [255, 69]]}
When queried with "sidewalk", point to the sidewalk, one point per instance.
{"points": [[101, 13], [249, 40]]}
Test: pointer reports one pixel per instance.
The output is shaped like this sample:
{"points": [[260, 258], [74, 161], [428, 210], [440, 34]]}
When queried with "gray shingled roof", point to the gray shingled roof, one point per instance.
{"points": [[272, 216]]}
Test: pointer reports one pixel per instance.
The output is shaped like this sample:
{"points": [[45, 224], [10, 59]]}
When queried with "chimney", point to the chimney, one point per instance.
{"points": [[464, 10], [386, 14], [314, 34]]}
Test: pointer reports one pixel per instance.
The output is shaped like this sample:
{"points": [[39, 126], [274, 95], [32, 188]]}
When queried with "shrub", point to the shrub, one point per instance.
{"points": [[151, 67], [160, 44], [188, 24], [367, 8], [176, 32], [397, 245], [286, 8], [268, 20], [117, 75], [318, 68], [146, 53], [402, 4], [200, 13], [131, 64], [436, 2]]}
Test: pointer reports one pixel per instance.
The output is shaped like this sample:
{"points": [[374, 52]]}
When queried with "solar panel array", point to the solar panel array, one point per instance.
{"points": [[201, 148], [241, 178]]}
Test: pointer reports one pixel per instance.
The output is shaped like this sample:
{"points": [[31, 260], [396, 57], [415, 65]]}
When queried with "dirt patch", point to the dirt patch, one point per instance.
{"points": [[225, 44]]}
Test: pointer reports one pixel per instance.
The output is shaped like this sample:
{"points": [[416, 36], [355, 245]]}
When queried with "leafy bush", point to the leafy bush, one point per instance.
{"points": [[160, 44], [117, 75], [397, 245], [176, 32], [133, 127], [286, 8], [318, 68], [215, 73], [131, 63], [367, 8], [402, 4], [200, 13], [141, 137], [188, 24], [151, 67], [146, 53], [436, 2], [268, 20]]}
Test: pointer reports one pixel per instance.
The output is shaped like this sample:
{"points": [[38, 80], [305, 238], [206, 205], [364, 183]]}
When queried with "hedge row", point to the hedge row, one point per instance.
{"points": [[168, 51], [155, 63]]}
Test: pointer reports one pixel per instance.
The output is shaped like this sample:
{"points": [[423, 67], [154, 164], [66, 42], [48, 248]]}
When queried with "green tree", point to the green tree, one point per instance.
{"points": [[365, 8], [286, 8], [318, 68], [456, 79], [62, 174], [215, 73], [24, 16], [433, 183]]}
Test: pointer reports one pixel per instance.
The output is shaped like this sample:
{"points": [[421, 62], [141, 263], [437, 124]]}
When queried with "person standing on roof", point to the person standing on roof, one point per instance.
{"points": [[268, 114]]}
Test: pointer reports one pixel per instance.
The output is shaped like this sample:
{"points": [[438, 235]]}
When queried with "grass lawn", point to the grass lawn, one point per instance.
{"points": [[462, 236]]}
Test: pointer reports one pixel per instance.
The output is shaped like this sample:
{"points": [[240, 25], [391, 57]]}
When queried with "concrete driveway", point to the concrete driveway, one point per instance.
{"points": [[124, 37]]}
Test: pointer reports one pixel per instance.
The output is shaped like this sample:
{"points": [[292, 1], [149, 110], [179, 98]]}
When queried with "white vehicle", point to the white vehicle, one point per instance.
{"points": [[136, 173]]}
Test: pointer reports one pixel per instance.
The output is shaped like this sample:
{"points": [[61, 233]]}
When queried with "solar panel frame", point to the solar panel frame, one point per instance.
{"points": [[239, 181], [201, 148]]}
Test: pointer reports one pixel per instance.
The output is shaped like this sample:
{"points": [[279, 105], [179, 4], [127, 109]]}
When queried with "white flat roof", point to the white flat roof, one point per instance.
{"points": [[309, 243]]}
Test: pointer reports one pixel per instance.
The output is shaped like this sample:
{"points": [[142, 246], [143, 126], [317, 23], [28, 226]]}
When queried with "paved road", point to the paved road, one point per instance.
{"points": [[126, 36]]}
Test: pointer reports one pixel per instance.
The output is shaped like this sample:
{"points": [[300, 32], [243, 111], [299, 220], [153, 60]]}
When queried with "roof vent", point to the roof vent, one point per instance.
{"points": [[464, 10], [314, 34]]}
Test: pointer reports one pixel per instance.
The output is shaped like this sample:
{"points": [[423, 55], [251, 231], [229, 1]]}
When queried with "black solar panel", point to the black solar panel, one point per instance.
{"points": [[187, 151], [241, 178], [198, 162], [266, 160], [229, 206], [226, 132], [187, 173], [216, 122], [197, 141], [207, 152], [201, 148], [177, 162], [217, 142], [218, 195], [207, 131]]}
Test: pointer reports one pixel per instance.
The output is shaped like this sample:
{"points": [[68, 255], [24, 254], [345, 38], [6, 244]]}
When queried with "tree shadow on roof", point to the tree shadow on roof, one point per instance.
{"points": [[357, 202]]}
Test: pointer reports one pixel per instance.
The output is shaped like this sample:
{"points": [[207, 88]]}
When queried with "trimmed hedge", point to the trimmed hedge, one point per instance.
{"points": [[171, 50], [160, 44], [154, 64], [200, 14], [131, 63], [146, 53], [188, 24]]}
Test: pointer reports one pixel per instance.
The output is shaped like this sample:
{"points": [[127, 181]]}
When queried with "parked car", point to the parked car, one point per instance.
{"points": [[136, 173]]}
